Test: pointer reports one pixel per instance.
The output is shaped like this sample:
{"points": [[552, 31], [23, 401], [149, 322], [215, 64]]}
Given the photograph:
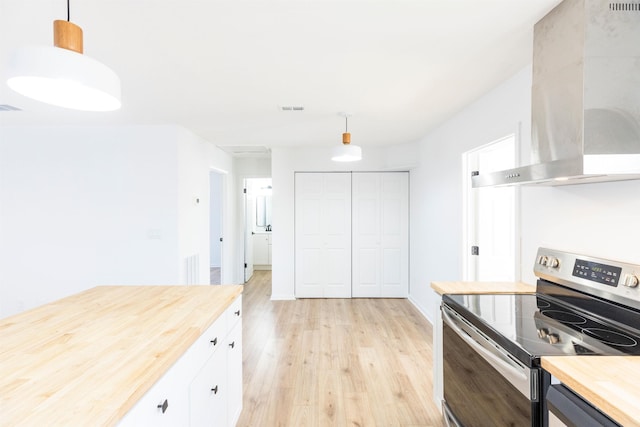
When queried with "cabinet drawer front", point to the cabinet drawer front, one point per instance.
{"points": [[210, 341], [234, 313], [166, 402]]}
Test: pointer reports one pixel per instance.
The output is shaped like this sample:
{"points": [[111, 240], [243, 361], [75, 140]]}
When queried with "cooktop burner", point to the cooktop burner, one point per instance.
{"points": [[564, 317], [609, 337]]}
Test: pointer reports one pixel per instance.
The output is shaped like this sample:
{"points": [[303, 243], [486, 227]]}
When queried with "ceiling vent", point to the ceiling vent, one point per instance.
{"points": [[624, 7], [7, 107], [291, 107], [246, 150]]}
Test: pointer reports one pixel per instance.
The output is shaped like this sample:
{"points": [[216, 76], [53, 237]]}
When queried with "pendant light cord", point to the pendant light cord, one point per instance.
{"points": [[68, 14], [346, 122]]}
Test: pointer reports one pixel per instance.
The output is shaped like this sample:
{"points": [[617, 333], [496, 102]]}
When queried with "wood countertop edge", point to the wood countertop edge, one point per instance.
{"points": [[581, 374], [462, 287], [171, 338]]}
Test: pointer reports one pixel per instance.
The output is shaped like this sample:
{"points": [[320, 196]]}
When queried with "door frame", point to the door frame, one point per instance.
{"points": [[223, 174]]}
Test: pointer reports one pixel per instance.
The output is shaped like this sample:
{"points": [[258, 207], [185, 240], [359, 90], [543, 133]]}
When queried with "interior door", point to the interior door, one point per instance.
{"points": [[492, 216], [323, 235], [380, 234]]}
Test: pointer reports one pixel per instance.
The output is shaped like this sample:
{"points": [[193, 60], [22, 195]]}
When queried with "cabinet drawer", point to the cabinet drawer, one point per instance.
{"points": [[234, 313], [166, 402], [210, 341]]}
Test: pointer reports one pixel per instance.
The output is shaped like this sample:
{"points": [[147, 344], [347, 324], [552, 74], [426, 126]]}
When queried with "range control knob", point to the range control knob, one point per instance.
{"points": [[553, 262], [543, 333], [543, 260], [553, 338], [630, 280]]}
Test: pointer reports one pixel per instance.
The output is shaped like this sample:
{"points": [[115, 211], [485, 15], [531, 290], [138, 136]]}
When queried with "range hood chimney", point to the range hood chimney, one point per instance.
{"points": [[585, 118]]}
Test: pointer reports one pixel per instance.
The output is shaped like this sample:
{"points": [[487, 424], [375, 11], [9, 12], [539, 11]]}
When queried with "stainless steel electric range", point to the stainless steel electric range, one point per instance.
{"points": [[492, 344]]}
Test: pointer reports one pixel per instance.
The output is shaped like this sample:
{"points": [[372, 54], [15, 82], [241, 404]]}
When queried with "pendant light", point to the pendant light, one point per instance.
{"points": [[346, 152], [61, 75]]}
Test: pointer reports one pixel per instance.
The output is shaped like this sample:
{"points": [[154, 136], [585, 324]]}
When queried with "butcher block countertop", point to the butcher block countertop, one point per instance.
{"points": [[482, 288], [88, 358], [609, 382]]}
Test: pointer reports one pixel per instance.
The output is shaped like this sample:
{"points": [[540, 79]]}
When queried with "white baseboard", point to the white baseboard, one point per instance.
{"points": [[282, 298], [419, 308]]}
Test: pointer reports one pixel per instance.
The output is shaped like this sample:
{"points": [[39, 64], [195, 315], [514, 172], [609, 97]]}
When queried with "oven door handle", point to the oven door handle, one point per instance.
{"points": [[517, 374]]}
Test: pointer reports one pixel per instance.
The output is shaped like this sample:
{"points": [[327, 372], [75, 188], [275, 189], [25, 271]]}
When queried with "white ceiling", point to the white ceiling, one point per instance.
{"points": [[222, 68]]}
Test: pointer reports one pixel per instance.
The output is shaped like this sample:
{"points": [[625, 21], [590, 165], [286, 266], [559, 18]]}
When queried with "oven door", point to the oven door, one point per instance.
{"points": [[483, 384]]}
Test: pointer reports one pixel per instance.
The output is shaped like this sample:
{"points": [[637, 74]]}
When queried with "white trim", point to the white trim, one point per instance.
{"points": [[421, 310], [283, 297]]}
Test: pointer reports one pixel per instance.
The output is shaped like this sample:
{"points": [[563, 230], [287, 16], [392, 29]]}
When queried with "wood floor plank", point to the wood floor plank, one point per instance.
{"points": [[335, 362]]}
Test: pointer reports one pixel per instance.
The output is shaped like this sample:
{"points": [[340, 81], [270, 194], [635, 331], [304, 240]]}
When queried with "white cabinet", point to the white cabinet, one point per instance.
{"points": [[208, 398], [234, 367], [323, 235], [204, 387], [380, 230], [261, 251], [352, 234]]}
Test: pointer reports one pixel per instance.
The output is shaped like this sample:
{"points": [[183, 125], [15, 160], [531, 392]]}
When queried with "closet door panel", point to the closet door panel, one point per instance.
{"points": [[323, 235], [394, 235], [380, 234]]}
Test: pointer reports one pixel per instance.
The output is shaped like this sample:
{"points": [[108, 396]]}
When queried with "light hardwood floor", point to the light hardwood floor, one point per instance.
{"points": [[334, 362]]}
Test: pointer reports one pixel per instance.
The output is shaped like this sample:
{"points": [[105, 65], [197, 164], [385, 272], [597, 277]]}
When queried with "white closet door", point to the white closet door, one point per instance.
{"points": [[380, 234], [323, 235]]}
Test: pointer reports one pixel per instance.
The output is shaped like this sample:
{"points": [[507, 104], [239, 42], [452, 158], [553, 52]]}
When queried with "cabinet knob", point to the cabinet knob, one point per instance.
{"points": [[214, 341], [163, 406], [215, 390], [237, 313], [233, 343]]}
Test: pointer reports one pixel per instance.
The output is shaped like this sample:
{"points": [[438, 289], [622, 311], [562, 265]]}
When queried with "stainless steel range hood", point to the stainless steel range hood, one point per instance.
{"points": [[585, 117]]}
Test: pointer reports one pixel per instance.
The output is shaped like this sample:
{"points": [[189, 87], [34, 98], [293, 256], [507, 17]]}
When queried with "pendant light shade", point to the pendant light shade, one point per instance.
{"points": [[61, 75], [346, 152]]}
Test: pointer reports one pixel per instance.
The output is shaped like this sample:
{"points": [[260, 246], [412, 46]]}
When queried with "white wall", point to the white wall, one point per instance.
{"points": [[193, 206], [597, 219], [87, 206], [287, 161], [594, 219], [436, 185]]}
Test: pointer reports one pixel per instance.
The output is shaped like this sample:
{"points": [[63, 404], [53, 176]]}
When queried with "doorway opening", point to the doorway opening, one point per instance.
{"points": [[216, 197], [257, 227], [491, 228]]}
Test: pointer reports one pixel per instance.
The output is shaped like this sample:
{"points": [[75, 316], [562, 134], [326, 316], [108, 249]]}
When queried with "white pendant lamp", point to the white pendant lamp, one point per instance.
{"points": [[62, 75], [346, 152]]}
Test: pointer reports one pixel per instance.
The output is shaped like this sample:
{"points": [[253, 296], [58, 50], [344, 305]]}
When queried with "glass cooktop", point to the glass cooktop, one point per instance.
{"points": [[534, 325]]}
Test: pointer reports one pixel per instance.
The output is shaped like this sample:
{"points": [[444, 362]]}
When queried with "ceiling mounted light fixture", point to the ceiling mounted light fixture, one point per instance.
{"points": [[346, 152], [62, 75]]}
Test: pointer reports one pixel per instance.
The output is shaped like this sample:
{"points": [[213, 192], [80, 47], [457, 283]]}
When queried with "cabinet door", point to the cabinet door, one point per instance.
{"points": [[209, 392], [323, 235], [381, 234], [261, 249], [234, 373]]}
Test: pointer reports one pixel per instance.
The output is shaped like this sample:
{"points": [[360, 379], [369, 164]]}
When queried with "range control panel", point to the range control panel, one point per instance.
{"points": [[616, 281], [596, 272]]}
